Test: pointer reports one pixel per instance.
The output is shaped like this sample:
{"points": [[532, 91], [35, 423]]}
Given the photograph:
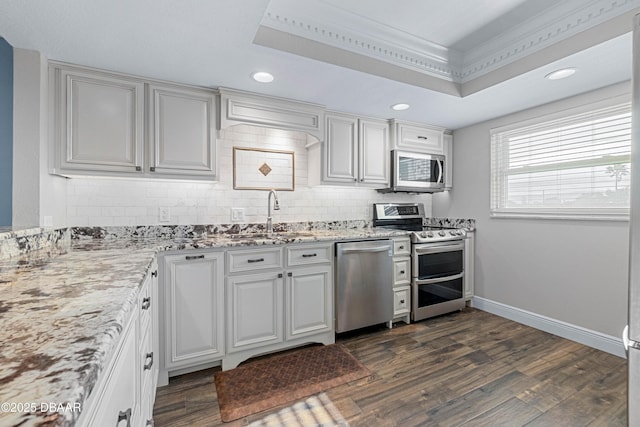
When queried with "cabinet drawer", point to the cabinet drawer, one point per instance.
{"points": [[401, 271], [401, 300], [401, 247], [253, 259], [309, 254]]}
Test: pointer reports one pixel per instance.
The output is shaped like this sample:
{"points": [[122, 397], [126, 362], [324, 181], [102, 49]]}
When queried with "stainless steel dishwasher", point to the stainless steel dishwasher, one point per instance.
{"points": [[364, 284]]}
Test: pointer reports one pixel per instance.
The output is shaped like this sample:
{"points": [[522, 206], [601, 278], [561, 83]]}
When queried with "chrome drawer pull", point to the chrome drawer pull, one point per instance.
{"points": [[146, 303], [256, 260], [192, 257], [126, 415], [422, 137], [148, 366], [308, 255]]}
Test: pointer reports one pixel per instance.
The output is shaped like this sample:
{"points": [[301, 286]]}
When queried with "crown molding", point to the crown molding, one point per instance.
{"points": [[562, 22], [326, 24]]}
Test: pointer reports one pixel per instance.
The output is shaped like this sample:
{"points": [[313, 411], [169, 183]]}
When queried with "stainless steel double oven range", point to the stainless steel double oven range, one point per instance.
{"points": [[437, 259]]}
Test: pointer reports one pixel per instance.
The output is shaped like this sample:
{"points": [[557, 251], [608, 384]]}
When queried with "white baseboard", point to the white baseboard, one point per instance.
{"points": [[562, 329]]}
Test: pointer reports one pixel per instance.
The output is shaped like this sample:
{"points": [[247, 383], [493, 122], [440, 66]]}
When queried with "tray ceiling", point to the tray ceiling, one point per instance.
{"points": [[456, 62], [433, 44]]}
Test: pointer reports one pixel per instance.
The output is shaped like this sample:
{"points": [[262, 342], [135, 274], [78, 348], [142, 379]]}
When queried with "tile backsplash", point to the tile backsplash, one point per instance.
{"points": [[128, 202]]}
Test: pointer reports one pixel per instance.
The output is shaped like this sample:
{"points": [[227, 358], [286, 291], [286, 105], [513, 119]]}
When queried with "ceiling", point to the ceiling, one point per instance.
{"points": [[457, 63]]}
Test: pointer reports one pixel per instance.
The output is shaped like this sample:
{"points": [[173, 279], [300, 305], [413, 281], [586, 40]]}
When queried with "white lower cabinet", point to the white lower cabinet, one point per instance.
{"points": [[469, 275], [193, 306], [272, 306], [117, 404], [125, 391], [270, 299], [401, 279]]}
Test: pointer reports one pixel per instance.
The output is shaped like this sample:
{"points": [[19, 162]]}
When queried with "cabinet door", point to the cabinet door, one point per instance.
{"points": [[100, 122], [374, 151], [194, 307], [181, 132], [448, 161], [341, 145], [117, 404], [309, 301], [422, 139], [254, 311]]}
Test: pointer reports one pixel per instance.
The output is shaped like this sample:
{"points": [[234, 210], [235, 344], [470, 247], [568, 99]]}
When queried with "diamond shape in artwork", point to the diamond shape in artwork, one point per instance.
{"points": [[265, 169]]}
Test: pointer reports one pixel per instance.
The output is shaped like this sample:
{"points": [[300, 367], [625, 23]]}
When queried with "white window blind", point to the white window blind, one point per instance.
{"points": [[576, 166]]}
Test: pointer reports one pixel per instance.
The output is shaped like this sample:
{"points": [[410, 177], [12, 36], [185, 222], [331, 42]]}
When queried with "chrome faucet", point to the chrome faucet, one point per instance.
{"points": [[276, 207]]}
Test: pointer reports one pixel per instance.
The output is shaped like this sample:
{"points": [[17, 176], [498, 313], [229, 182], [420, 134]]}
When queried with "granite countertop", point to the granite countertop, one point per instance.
{"points": [[62, 311]]}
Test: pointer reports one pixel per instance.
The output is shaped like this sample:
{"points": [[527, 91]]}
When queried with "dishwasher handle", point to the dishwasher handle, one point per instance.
{"points": [[364, 250], [364, 247]]}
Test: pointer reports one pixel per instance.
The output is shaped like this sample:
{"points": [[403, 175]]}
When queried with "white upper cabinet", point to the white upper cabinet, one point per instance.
{"points": [[374, 151], [417, 137], [181, 131], [355, 150], [98, 122], [448, 155], [237, 107], [341, 153], [99, 126]]}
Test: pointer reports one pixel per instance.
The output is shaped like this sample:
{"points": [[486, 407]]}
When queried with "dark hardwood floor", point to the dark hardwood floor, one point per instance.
{"points": [[469, 368]]}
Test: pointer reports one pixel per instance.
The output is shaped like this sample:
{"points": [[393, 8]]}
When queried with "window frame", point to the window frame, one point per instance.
{"points": [[498, 176]]}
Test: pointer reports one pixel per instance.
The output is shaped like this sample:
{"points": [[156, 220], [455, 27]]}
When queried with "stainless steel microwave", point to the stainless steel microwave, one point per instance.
{"points": [[416, 172]]}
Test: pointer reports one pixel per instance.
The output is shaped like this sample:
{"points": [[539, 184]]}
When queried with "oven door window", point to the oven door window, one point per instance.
{"points": [[440, 264], [435, 293]]}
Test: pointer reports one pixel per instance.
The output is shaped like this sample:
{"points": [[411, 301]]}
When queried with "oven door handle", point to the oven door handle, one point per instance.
{"points": [[438, 279], [436, 249]]}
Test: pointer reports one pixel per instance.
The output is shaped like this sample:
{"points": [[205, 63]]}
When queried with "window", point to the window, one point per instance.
{"points": [[576, 166]]}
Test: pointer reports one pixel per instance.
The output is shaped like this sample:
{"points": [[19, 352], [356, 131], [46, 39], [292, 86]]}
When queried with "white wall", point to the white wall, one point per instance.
{"points": [[101, 202], [38, 198], [568, 270]]}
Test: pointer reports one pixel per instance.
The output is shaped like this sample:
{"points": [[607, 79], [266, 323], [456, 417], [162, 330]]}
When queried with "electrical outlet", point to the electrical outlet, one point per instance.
{"points": [[164, 214], [237, 214]]}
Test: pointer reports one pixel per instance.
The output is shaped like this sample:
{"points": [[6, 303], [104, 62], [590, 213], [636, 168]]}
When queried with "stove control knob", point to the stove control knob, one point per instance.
{"points": [[429, 234], [454, 233], [441, 233]]}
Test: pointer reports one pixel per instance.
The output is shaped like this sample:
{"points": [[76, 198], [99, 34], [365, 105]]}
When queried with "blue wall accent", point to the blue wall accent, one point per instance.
{"points": [[6, 132]]}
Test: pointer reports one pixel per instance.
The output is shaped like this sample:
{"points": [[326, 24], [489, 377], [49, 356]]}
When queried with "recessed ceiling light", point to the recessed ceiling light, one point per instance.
{"points": [[400, 107], [560, 74], [262, 77]]}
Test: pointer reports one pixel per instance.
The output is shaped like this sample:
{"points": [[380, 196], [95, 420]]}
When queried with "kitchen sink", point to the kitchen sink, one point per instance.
{"points": [[274, 235]]}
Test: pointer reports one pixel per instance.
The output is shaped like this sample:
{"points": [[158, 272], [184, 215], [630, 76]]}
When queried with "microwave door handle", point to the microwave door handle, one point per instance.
{"points": [[440, 167]]}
